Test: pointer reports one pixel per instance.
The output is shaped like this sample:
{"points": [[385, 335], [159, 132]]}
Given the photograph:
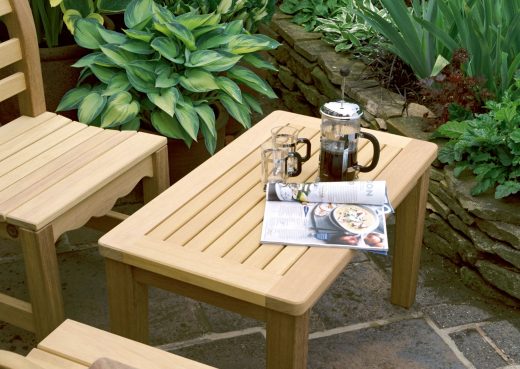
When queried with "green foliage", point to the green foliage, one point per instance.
{"points": [[307, 12], [347, 31], [48, 21], [167, 71], [408, 31], [250, 12], [488, 145]]}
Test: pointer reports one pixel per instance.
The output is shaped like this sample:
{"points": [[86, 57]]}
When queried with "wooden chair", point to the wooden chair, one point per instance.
{"points": [[77, 346], [56, 174]]}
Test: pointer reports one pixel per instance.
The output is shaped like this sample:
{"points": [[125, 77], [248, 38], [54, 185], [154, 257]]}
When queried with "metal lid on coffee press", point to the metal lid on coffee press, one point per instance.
{"points": [[341, 109]]}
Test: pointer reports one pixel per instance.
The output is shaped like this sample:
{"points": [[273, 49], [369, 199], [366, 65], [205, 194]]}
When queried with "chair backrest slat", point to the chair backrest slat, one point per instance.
{"points": [[26, 81], [5, 7], [12, 85], [10, 52]]}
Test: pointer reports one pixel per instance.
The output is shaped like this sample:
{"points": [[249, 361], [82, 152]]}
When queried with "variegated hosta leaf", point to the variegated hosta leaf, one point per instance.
{"points": [[182, 33], [138, 13], [141, 75], [192, 20], [117, 55], [258, 62], [207, 115], [199, 32], [169, 126], [224, 6], [243, 44], [198, 80], [104, 74], [137, 47], [252, 102], [87, 60], [133, 125], [91, 107], [168, 48], [73, 97], [84, 7], [250, 79], [121, 109], [70, 17], [238, 111], [166, 78], [112, 37], [118, 83], [87, 34], [188, 118], [213, 61], [213, 39], [112, 6], [139, 35], [165, 100], [235, 27], [210, 141], [55, 2], [231, 88]]}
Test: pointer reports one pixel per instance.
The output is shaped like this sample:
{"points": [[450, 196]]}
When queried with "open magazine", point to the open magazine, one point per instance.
{"points": [[329, 214]]}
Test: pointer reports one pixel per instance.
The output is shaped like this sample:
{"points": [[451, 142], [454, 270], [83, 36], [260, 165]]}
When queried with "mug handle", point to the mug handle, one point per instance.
{"points": [[299, 159], [377, 150], [308, 151]]}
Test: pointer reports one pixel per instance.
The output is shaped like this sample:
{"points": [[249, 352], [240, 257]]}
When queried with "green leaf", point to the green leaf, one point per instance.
{"points": [[258, 62], [112, 37], [87, 34], [230, 87], [166, 78], [118, 83], [112, 6], [252, 102], [210, 141], [84, 7], [73, 98], [91, 107], [439, 65], [165, 100], [135, 34], [87, 60], [141, 75], [213, 39], [183, 34], [169, 126], [117, 55], [207, 115], [168, 48], [70, 17], [138, 13], [224, 6], [238, 111], [121, 109], [188, 118], [507, 188], [104, 74], [192, 20], [234, 27], [198, 80], [137, 47], [451, 129], [250, 79], [243, 44], [212, 60], [133, 125]]}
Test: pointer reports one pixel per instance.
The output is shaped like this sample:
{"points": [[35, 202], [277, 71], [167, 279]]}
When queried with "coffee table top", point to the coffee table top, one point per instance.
{"points": [[205, 229]]}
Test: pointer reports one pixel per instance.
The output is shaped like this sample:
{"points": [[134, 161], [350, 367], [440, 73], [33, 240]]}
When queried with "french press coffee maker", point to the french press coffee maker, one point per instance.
{"points": [[340, 134]]}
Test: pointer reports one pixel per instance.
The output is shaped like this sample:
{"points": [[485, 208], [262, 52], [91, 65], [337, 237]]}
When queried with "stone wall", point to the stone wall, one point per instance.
{"points": [[480, 235]]}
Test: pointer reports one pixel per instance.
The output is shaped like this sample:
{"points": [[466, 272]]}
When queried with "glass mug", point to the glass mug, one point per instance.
{"points": [[287, 137], [274, 164], [340, 132]]}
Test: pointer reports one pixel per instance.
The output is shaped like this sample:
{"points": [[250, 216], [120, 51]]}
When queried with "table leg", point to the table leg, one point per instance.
{"points": [[287, 340], [409, 230], [128, 302]]}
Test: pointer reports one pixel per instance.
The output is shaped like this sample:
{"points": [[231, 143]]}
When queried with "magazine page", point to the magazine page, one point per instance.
{"points": [[328, 224], [328, 214], [356, 192]]}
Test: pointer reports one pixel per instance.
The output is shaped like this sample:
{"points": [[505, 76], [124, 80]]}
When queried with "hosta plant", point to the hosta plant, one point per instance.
{"points": [[307, 12], [167, 72]]}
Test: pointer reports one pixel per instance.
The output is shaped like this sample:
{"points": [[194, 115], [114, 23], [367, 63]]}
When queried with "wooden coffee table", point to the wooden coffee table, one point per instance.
{"points": [[200, 239]]}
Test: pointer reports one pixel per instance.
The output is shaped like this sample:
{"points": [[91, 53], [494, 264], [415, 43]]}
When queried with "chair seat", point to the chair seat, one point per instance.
{"points": [[49, 164]]}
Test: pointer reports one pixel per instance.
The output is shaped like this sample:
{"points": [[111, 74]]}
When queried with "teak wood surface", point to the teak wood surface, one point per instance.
{"points": [[74, 345], [200, 238], [56, 174]]}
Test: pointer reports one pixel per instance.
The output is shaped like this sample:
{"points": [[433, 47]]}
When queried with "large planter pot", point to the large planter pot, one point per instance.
{"points": [[58, 78], [182, 160]]}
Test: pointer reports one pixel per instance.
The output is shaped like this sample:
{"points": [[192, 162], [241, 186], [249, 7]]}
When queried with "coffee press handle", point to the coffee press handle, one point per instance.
{"points": [[299, 160], [308, 151], [377, 150]]}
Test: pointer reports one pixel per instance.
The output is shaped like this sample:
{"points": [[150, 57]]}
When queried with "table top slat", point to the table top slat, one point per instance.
{"points": [[263, 255], [246, 246], [285, 259]]}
